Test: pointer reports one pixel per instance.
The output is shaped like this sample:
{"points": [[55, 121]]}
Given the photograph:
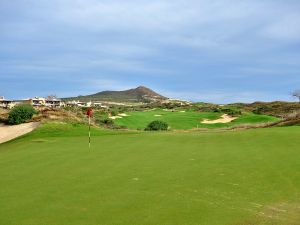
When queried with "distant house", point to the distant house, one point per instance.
{"points": [[177, 101], [52, 102], [86, 104], [100, 105], [76, 103], [36, 101], [5, 103]]}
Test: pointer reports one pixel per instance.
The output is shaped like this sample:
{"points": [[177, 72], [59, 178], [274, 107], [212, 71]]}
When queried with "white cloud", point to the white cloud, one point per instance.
{"points": [[187, 41], [286, 28]]}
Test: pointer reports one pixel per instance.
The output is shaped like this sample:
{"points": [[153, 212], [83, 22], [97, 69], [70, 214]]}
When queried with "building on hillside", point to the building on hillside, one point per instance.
{"points": [[50, 101], [100, 105], [36, 101], [53, 102], [177, 101], [5, 103], [86, 104], [76, 103]]}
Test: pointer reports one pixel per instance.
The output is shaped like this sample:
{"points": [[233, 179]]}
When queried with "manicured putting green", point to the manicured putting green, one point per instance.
{"points": [[51, 177], [186, 119]]}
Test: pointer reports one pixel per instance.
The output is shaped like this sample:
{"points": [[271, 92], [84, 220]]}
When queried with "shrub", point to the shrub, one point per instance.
{"points": [[157, 125], [106, 121], [109, 123], [260, 110], [20, 114], [231, 111]]}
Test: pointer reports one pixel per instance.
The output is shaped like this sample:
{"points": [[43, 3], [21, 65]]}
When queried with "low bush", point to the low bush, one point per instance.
{"points": [[228, 111], [260, 110], [157, 125], [21, 114], [231, 111], [106, 121]]}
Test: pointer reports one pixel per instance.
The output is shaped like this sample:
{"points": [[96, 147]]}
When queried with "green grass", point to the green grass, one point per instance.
{"points": [[186, 120], [249, 177]]}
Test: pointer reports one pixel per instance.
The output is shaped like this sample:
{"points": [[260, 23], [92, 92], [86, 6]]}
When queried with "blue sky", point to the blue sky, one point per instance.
{"points": [[205, 50]]}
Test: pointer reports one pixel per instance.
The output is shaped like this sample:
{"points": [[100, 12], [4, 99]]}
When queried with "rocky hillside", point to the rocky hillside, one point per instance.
{"points": [[139, 94]]}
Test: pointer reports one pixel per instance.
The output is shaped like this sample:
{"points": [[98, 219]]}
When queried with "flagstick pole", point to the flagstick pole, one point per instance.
{"points": [[89, 131]]}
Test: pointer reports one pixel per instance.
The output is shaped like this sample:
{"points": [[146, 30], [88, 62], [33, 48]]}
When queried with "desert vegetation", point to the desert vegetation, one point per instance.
{"points": [[157, 125], [20, 114]]}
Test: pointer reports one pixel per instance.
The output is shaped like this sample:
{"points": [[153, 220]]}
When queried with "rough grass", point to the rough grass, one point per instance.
{"points": [[50, 177], [277, 108], [187, 120], [3, 115]]}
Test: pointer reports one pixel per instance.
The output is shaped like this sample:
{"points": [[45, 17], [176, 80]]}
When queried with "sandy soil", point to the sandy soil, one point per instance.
{"points": [[224, 119], [10, 132]]}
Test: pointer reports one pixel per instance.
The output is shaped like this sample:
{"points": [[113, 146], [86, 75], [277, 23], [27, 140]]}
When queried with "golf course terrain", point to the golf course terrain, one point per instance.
{"points": [[248, 177], [184, 120]]}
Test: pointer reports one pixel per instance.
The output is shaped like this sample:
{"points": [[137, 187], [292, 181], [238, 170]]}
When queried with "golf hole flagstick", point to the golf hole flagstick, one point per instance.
{"points": [[89, 114]]}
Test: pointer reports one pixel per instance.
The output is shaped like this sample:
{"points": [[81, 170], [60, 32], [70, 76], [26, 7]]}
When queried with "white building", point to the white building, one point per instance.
{"points": [[76, 103], [52, 102], [5, 103]]}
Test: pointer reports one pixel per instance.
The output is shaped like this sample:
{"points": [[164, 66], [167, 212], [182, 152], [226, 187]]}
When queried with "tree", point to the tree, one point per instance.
{"points": [[157, 125], [20, 114], [296, 94]]}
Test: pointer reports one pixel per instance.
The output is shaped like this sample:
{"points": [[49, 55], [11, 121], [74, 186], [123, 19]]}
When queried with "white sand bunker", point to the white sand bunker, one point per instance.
{"points": [[224, 119], [115, 117], [157, 115], [123, 114], [10, 132], [119, 116]]}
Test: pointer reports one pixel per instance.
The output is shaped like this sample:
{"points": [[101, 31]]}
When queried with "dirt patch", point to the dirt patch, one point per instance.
{"points": [[278, 214], [11, 132], [224, 119]]}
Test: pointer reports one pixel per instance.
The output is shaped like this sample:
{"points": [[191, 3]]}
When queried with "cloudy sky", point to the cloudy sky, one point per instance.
{"points": [[203, 50]]}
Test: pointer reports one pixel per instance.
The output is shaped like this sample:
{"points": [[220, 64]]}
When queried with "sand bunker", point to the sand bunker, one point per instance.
{"points": [[115, 117], [119, 116], [224, 119], [123, 114], [10, 132]]}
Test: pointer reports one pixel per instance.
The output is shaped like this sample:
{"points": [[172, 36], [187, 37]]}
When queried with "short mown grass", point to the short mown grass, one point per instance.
{"points": [[51, 177], [186, 120]]}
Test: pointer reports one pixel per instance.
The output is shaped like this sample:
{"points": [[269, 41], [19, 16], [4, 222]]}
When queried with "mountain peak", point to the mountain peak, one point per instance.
{"points": [[139, 94], [142, 87]]}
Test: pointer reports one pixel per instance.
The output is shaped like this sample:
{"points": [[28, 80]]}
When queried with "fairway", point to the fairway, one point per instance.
{"points": [[186, 119], [250, 177]]}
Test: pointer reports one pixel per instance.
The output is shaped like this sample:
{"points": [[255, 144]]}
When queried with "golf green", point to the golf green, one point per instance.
{"points": [[51, 177]]}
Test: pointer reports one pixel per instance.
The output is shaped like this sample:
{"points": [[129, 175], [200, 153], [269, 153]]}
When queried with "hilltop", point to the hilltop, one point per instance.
{"points": [[139, 94]]}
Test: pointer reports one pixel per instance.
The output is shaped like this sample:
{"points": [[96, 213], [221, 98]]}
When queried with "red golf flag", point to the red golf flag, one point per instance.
{"points": [[89, 112]]}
